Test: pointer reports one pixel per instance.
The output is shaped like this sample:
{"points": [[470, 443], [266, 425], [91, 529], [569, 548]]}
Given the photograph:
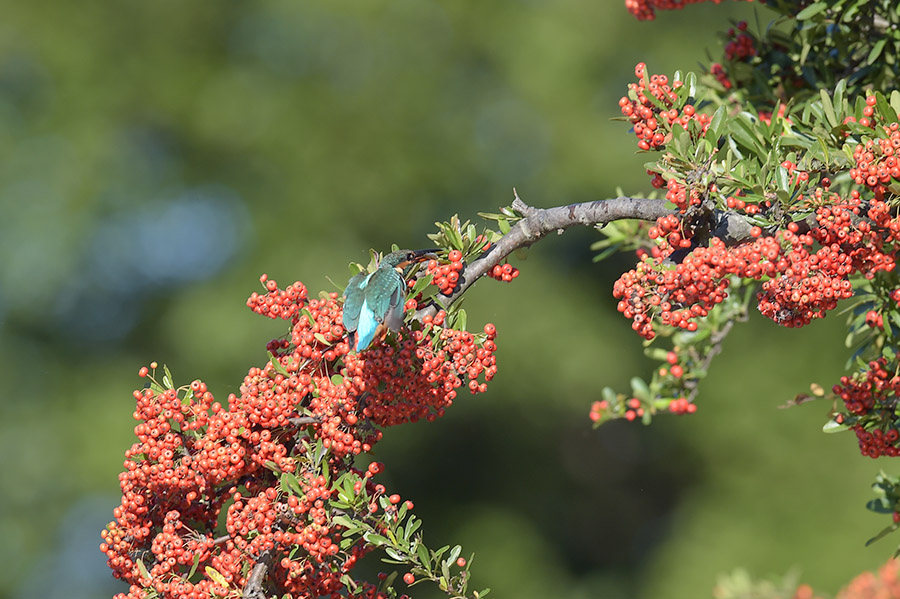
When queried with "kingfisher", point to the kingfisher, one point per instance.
{"points": [[374, 302]]}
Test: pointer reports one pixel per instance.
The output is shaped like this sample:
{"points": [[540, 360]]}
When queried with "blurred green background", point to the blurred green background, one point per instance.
{"points": [[158, 156]]}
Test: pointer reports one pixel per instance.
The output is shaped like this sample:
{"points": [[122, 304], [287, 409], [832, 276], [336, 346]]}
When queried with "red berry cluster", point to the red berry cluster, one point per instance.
{"points": [[192, 455], [740, 44], [678, 295], [644, 10], [721, 75], [802, 284], [652, 125], [417, 380], [682, 406], [633, 409], [277, 303], [446, 276], [876, 159], [504, 272], [872, 397]]}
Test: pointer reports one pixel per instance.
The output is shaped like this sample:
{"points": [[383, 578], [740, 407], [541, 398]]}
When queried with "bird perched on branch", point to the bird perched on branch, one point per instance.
{"points": [[374, 302]]}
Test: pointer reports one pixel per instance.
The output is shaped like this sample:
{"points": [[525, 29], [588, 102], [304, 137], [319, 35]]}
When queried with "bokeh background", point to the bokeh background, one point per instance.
{"points": [[157, 157]]}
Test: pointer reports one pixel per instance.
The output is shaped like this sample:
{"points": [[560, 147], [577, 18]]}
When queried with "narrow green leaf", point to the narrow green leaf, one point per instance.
{"points": [[194, 566], [839, 95], [811, 10], [876, 50], [143, 570], [277, 365], [168, 375], [424, 559], [828, 107], [394, 554], [886, 531]]}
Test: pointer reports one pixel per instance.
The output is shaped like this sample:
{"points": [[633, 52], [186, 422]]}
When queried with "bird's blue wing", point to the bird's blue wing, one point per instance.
{"points": [[354, 297], [382, 291], [365, 332]]}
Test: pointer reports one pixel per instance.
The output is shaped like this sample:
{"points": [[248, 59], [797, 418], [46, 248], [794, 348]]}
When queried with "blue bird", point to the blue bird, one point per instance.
{"points": [[373, 302]]}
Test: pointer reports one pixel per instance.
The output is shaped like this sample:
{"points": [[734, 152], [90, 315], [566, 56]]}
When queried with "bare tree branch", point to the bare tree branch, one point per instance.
{"points": [[254, 587], [539, 222]]}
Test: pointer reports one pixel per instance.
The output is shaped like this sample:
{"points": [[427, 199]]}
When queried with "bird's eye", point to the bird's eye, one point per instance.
{"points": [[411, 256]]}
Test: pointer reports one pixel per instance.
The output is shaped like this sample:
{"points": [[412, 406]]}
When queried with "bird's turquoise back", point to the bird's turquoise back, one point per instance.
{"points": [[371, 300]]}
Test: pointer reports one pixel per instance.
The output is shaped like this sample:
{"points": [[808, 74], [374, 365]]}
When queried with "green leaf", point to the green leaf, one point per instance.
{"points": [[895, 100], [828, 107], [394, 554], [832, 426], [782, 178], [717, 124], [376, 539], [421, 284], [424, 559], [690, 82], [640, 389], [290, 484], [321, 338], [143, 570], [194, 566], [811, 10], [881, 506], [743, 132], [277, 365], [884, 532], [337, 380], [876, 50], [167, 378], [884, 108]]}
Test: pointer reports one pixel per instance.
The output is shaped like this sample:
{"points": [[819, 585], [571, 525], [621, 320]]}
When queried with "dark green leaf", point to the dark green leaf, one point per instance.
{"points": [[881, 506]]}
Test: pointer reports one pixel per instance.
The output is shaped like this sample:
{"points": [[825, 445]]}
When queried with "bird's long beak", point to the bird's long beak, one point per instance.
{"points": [[418, 257], [429, 254]]}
